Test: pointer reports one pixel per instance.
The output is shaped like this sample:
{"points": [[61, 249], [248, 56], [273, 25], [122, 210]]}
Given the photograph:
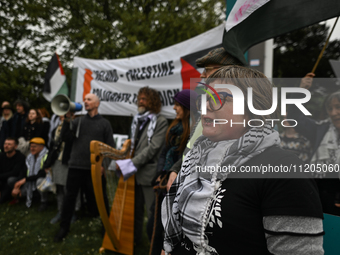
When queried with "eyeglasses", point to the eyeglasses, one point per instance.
{"points": [[214, 106]]}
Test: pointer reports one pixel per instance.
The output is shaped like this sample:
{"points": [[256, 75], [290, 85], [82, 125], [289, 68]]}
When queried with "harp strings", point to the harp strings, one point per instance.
{"points": [[115, 195], [109, 152]]}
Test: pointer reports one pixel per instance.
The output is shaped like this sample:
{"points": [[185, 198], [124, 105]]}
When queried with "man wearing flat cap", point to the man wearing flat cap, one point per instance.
{"points": [[28, 183], [215, 59]]}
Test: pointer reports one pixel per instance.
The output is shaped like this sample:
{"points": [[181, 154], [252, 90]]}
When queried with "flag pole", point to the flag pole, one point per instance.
{"points": [[324, 47]]}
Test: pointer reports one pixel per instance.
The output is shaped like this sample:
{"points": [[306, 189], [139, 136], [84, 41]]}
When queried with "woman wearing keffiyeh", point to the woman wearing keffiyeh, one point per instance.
{"points": [[175, 142], [210, 210]]}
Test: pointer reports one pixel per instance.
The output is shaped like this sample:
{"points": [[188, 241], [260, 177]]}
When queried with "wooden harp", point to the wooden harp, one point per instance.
{"points": [[119, 225]]}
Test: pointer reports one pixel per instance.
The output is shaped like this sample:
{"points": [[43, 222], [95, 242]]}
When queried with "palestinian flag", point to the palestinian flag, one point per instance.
{"points": [[55, 79], [189, 68], [253, 21]]}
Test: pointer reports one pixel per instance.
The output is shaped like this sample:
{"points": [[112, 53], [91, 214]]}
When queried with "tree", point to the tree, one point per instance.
{"points": [[100, 29], [20, 53], [295, 54]]}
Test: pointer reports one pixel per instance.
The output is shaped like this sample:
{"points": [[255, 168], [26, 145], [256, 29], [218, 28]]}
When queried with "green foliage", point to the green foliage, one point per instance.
{"points": [[101, 29], [296, 53]]}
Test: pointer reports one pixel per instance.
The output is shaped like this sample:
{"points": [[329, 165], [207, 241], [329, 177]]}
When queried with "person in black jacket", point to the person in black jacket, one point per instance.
{"points": [[12, 165], [19, 118], [33, 128]]}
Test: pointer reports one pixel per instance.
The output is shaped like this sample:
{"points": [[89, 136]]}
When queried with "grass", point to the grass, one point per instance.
{"points": [[27, 231]]}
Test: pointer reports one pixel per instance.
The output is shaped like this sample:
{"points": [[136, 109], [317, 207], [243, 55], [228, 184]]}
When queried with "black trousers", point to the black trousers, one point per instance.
{"points": [[6, 187], [76, 179], [144, 195], [154, 227], [139, 214]]}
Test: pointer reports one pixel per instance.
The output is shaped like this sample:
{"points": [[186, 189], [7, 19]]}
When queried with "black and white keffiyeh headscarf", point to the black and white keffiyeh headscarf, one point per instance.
{"points": [[185, 207], [33, 166], [328, 152], [151, 128]]}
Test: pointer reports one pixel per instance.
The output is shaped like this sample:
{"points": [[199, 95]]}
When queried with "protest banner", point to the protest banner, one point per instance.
{"points": [[116, 82]]}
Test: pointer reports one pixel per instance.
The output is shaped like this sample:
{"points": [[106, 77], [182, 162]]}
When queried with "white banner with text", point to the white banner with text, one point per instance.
{"points": [[116, 82]]}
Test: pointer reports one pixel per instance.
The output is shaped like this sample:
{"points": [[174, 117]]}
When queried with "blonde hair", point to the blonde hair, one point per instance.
{"points": [[244, 78]]}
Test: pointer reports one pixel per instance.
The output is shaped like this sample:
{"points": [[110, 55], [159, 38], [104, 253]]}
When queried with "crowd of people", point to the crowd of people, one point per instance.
{"points": [[24, 147], [188, 211]]}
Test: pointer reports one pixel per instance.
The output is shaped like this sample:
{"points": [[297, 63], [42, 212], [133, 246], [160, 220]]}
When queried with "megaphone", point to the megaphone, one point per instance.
{"points": [[61, 104]]}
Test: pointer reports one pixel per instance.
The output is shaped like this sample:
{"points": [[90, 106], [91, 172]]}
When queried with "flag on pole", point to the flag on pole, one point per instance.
{"points": [[253, 21], [55, 79]]}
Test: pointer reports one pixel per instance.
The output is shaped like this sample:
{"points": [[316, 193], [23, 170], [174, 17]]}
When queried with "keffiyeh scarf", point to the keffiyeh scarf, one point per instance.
{"points": [[185, 208], [328, 151], [142, 118], [33, 167]]}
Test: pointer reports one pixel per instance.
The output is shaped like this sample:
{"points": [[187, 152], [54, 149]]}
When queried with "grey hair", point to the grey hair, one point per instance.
{"points": [[329, 99]]}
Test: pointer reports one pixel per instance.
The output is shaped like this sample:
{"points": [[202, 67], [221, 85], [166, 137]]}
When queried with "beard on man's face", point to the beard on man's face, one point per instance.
{"points": [[141, 109]]}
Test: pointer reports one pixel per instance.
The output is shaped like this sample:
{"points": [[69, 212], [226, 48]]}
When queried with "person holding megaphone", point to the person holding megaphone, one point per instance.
{"points": [[61, 104], [81, 131]]}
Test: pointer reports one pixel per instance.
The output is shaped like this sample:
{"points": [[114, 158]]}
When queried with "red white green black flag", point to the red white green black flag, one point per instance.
{"points": [[55, 79]]}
